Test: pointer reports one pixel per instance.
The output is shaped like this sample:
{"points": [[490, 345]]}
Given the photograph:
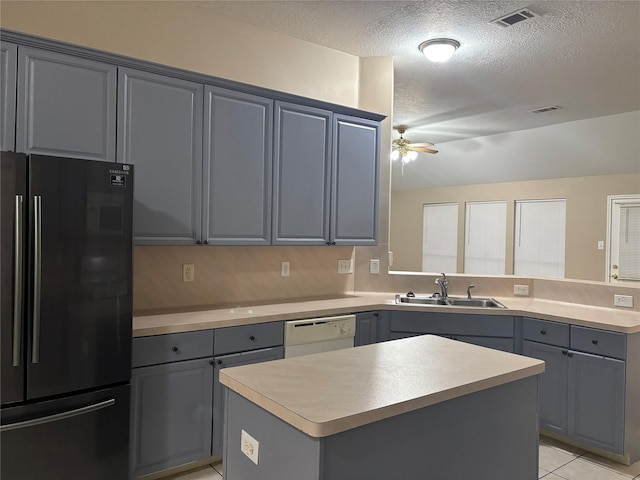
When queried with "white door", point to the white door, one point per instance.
{"points": [[623, 238]]}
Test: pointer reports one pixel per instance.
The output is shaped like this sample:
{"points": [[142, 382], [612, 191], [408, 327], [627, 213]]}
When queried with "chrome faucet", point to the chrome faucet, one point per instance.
{"points": [[444, 283], [469, 291]]}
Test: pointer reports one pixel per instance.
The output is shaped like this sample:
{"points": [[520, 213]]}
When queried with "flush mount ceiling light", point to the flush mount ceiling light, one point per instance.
{"points": [[439, 49]]}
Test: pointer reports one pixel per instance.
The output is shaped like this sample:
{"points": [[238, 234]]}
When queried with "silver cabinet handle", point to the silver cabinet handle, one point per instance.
{"points": [[17, 282], [37, 280], [58, 416]]}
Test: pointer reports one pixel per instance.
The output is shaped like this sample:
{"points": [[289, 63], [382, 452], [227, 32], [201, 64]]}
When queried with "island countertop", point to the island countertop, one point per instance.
{"points": [[319, 396]]}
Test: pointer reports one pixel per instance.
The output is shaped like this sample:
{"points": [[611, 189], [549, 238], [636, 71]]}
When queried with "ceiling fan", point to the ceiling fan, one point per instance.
{"points": [[405, 150]]}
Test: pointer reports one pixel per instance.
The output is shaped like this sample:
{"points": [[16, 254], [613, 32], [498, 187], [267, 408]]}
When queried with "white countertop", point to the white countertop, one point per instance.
{"points": [[317, 395], [613, 319]]}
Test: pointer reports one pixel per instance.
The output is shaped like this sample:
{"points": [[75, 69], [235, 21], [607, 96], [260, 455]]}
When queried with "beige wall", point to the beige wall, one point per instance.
{"points": [[586, 217], [193, 38]]}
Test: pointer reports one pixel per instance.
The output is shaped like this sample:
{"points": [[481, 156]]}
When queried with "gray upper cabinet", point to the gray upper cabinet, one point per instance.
{"points": [[160, 132], [66, 105], [8, 72], [355, 177], [302, 175], [237, 168]]}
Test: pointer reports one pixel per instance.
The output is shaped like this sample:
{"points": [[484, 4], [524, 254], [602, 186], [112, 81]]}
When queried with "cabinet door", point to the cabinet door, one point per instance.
{"points": [[366, 328], [237, 168], [8, 72], [596, 401], [171, 415], [234, 360], [66, 106], [552, 385], [302, 167], [355, 177], [160, 132]]}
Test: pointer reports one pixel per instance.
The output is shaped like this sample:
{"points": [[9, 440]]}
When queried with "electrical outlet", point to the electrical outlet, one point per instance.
{"points": [[521, 290], [188, 272], [374, 266], [623, 301], [600, 244], [284, 269], [345, 266], [249, 446]]}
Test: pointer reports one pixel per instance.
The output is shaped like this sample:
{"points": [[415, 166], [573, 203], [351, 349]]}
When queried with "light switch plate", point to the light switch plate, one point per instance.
{"points": [[284, 269], [345, 266]]}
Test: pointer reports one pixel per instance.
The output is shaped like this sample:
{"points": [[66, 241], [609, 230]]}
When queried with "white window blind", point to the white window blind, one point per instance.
{"points": [[485, 237], [629, 243], [440, 237], [540, 238]]}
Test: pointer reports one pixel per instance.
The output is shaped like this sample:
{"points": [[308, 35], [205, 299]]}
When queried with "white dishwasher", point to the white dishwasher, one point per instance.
{"points": [[315, 335]]}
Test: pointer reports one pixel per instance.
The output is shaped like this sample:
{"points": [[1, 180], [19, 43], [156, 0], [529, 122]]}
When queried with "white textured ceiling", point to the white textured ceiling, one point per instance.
{"points": [[581, 55]]}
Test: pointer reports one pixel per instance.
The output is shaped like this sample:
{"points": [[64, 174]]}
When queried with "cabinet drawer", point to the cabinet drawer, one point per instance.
{"points": [[599, 342], [172, 348], [544, 331], [248, 337]]}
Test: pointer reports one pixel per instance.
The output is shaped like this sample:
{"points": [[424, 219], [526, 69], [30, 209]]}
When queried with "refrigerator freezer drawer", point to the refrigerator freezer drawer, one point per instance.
{"points": [[84, 436]]}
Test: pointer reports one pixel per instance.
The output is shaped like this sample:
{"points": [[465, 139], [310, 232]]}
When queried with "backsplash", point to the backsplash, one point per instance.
{"points": [[236, 275]]}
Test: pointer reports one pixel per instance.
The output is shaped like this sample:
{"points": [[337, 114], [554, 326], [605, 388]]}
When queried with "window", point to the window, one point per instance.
{"points": [[485, 237], [540, 238], [440, 237]]}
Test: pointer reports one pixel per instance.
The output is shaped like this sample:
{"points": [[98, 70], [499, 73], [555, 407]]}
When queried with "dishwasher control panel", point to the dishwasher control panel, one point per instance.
{"points": [[313, 330]]}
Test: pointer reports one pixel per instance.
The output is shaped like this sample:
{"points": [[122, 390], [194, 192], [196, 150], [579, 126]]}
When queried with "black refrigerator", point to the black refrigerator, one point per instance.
{"points": [[66, 305]]}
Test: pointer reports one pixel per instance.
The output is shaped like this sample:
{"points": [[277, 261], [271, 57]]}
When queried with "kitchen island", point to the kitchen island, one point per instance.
{"points": [[398, 409]]}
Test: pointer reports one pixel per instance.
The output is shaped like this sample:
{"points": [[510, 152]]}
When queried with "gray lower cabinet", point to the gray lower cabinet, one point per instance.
{"points": [[238, 135], [302, 175], [366, 328], [233, 360], [354, 181], [8, 72], [160, 132], [596, 401], [66, 105], [493, 331], [583, 388], [552, 385], [372, 327], [171, 398]]}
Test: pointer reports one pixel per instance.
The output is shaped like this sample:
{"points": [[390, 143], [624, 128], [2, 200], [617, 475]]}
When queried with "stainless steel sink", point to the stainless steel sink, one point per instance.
{"points": [[420, 299], [474, 302], [449, 301]]}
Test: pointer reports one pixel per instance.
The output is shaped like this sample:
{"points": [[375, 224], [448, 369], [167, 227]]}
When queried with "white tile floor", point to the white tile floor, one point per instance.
{"points": [[558, 461]]}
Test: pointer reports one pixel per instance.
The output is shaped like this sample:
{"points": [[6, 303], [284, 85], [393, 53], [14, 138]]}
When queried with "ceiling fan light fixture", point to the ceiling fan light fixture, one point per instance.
{"points": [[439, 49]]}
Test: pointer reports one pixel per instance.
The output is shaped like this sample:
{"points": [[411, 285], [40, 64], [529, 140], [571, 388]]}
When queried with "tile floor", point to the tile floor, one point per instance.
{"points": [[558, 461]]}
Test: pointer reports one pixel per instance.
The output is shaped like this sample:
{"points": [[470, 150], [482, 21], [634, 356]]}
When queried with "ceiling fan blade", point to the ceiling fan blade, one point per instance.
{"points": [[425, 144], [425, 150]]}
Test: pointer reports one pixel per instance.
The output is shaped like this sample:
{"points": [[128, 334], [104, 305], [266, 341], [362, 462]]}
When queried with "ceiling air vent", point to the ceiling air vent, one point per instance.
{"points": [[515, 17], [546, 109]]}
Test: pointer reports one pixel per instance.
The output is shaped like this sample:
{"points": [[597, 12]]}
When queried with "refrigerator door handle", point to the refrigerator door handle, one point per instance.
{"points": [[58, 416], [17, 282], [37, 258]]}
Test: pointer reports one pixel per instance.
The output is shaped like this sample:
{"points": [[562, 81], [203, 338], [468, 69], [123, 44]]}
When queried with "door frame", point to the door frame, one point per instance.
{"points": [[612, 221]]}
